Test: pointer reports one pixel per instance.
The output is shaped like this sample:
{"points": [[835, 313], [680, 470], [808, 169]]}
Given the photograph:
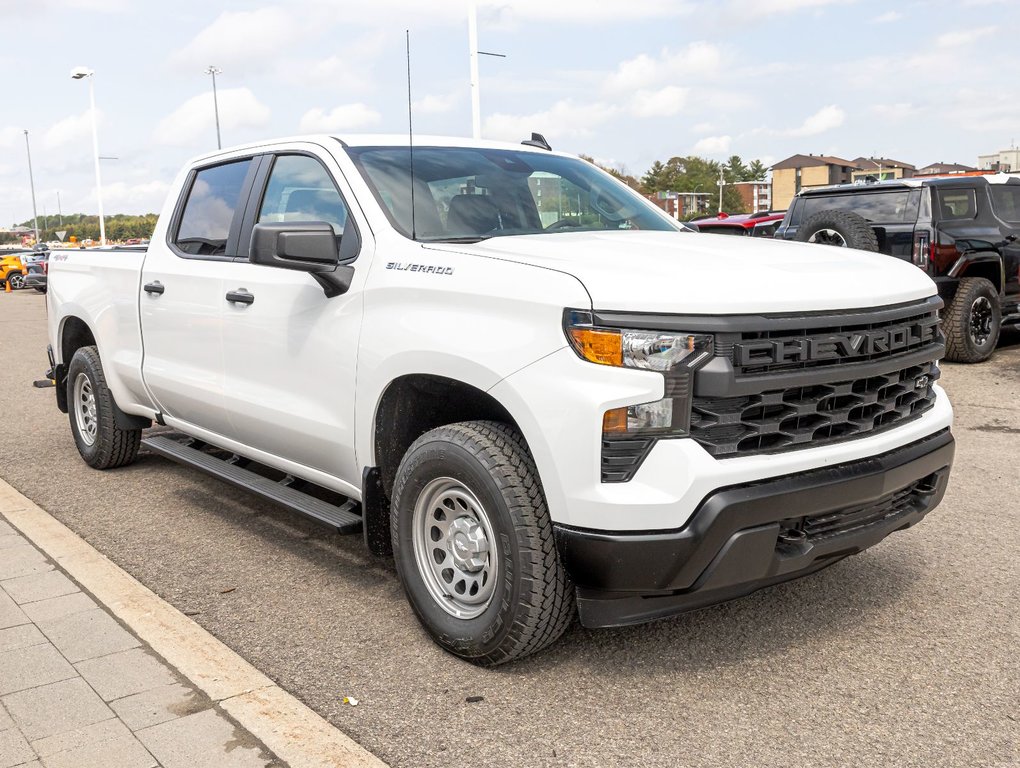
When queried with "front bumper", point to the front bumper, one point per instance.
{"points": [[745, 537]]}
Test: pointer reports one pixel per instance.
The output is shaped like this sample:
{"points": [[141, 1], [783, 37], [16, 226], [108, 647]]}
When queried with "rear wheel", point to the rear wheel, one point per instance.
{"points": [[839, 228], [90, 408], [473, 544], [972, 321], [17, 280]]}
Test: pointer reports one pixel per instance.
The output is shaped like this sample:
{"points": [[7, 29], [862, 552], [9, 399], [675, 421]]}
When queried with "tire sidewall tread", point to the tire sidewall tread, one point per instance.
{"points": [[113, 447], [960, 347], [855, 229], [534, 602]]}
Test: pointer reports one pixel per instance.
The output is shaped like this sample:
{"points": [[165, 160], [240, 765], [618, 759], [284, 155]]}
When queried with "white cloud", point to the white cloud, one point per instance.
{"points": [[963, 37], [643, 72], [756, 9], [433, 104], [661, 103], [713, 145], [147, 197], [71, 128], [346, 117], [196, 118], [887, 18], [244, 38], [565, 119], [583, 11], [9, 136], [821, 121], [895, 113], [702, 128]]}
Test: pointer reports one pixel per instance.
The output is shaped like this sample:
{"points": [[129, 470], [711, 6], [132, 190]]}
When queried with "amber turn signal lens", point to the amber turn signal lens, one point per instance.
{"points": [[615, 421], [603, 347]]}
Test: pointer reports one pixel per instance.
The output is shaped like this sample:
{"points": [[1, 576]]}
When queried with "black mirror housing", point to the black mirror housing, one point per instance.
{"points": [[309, 246]]}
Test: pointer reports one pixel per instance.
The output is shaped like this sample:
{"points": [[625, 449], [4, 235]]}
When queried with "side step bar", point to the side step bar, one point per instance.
{"points": [[343, 518]]}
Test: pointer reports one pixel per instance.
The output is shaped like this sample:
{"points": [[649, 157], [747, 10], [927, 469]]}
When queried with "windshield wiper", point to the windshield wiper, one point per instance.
{"points": [[466, 239]]}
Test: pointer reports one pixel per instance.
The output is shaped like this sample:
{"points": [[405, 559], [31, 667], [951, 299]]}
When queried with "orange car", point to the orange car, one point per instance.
{"points": [[12, 271]]}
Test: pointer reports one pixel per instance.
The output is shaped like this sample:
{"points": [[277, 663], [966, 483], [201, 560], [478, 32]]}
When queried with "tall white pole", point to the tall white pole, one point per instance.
{"points": [[95, 151], [476, 107], [31, 181]]}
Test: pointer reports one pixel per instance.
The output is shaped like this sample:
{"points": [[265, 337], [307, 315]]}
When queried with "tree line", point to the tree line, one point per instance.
{"points": [[695, 174], [119, 227]]}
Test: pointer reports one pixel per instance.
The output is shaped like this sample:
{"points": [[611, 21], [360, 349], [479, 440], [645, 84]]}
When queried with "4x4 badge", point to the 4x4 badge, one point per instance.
{"points": [[921, 382]]}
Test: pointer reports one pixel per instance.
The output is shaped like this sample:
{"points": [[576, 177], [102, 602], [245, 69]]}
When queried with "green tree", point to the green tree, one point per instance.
{"points": [[756, 171]]}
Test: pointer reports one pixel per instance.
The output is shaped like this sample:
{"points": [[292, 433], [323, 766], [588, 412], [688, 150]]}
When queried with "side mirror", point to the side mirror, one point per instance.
{"points": [[306, 246]]}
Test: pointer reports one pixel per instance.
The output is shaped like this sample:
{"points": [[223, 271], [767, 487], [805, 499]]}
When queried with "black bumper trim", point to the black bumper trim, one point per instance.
{"points": [[731, 545]]}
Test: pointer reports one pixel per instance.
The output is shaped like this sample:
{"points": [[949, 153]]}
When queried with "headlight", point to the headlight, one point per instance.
{"points": [[673, 354]]}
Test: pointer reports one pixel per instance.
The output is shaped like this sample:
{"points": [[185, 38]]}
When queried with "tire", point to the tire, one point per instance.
{"points": [[17, 280], [490, 604], [972, 321], [39, 289], [839, 228], [101, 443]]}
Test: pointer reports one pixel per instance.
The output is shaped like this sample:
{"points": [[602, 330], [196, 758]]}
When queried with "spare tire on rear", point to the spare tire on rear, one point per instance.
{"points": [[840, 228]]}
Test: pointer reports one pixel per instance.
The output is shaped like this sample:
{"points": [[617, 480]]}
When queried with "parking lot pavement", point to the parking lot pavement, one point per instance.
{"points": [[905, 655], [77, 688]]}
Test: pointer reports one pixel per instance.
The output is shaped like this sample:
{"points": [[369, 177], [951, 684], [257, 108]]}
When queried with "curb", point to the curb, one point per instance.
{"points": [[290, 729]]}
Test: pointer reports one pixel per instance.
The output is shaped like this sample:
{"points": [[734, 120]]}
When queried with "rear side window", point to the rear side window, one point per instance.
{"points": [[892, 207], [957, 204], [209, 209], [1006, 201]]}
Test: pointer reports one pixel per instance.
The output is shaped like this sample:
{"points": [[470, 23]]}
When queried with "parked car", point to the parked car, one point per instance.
{"points": [[962, 231], [12, 271], [36, 267], [604, 415], [761, 224]]}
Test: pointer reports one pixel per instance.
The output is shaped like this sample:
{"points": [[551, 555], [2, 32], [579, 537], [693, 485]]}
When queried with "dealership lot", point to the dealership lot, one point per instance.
{"points": [[905, 655]]}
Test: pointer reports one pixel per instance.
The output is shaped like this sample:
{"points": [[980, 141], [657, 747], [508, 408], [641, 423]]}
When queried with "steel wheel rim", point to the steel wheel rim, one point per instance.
{"points": [[85, 409], [16, 280], [828, 237], [454, 548], [981, 315]]}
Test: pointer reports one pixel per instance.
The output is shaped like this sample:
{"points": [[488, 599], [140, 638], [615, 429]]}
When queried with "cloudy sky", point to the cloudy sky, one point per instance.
{"points": [[628, 82]]}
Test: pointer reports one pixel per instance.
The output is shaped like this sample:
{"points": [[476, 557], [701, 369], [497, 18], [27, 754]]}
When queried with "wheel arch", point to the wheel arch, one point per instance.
{"points": [[986, 265], [74, 334], [408, 407]]}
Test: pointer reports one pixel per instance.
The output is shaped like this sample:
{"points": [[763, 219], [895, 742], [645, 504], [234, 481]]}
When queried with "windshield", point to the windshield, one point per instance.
{"points": [[469, 194]]}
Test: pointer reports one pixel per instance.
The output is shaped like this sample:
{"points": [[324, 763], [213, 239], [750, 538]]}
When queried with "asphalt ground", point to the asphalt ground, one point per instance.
{"points": [[905, 655]]}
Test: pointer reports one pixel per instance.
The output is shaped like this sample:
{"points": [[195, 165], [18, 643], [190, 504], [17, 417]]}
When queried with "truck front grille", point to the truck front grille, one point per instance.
{"points": [[784, 419]]}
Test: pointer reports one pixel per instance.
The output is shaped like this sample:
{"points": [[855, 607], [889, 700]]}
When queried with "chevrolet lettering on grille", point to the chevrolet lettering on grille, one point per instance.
{"points": [[838, 346]]}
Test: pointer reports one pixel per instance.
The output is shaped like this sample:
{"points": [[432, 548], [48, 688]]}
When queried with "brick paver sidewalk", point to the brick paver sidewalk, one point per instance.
{"points": [[78, 690]]}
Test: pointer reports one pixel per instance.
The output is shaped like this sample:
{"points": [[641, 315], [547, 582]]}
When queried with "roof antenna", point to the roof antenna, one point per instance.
{"points": [[410, 128]]}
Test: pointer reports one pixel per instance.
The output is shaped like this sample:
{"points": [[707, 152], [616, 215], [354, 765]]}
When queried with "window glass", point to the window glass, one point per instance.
{"points": [[724, 230], [301, 189], [1006, 201], [887, 207], [205, 221], [957, 204], [766, 229], [474, 193]]}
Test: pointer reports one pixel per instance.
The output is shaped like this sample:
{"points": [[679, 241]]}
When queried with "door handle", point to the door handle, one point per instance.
{"points": [[155, 287], [240, 296]]}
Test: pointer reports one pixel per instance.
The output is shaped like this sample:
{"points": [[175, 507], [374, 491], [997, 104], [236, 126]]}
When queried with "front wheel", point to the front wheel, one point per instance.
{"points": [[17, 280], [101, 443], [473, 544], [972, 321]]}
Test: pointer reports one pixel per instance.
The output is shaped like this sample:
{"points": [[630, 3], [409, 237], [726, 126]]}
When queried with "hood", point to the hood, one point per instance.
{"points": [[690, 273]]}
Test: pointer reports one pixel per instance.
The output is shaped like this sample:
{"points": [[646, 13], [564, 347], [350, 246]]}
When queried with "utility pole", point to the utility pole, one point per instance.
{"points": [[476, 106], [722, 181], [60, 215], [31, 181], [211, 70]]}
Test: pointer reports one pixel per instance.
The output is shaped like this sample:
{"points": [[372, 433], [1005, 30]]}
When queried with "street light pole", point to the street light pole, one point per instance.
{"points": [[211, 70], [476, 107], [79, 73], [31, 181]]}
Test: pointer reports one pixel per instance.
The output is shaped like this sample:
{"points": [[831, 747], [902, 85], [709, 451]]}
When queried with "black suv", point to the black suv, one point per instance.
{"points": [[963, 231]]}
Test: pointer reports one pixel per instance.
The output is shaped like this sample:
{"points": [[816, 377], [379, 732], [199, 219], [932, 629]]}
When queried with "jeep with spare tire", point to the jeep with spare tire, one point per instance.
{"points": [[961, 230]]}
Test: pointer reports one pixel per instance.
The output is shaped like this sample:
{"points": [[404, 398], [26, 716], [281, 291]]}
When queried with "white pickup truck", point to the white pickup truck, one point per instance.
{"points": [[537, 392]]}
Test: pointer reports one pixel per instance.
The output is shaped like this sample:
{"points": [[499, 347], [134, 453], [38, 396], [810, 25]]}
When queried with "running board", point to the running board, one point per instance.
{"points": [[342, 518]]}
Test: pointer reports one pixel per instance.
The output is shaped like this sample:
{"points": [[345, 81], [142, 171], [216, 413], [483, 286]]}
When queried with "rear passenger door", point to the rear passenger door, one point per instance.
{"points": [[1006, 205], [182, 299], [291, 353]]}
